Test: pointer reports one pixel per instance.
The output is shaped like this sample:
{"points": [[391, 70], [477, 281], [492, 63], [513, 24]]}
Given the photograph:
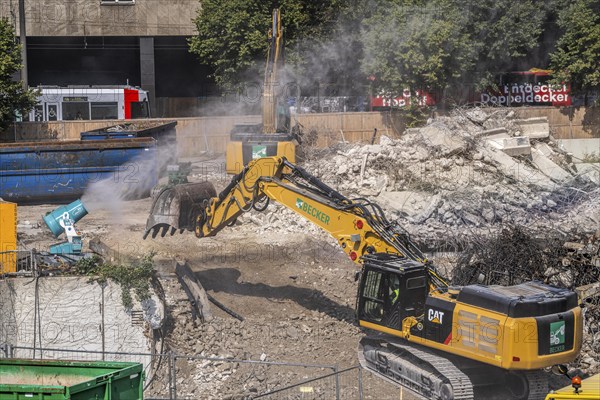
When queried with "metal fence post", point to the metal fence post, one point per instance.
{"points": [[174, 375], [337, 382], [170, 371], [360, 386]]}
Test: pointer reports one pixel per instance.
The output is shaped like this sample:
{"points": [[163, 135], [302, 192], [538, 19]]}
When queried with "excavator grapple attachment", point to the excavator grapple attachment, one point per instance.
{"points": [[176, 208]]}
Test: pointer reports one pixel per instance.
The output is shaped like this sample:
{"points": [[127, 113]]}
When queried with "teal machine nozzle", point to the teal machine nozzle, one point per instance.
{"points": [[62, 220]]}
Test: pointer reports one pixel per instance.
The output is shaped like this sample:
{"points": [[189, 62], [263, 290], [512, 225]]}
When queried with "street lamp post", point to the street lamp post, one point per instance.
{"points": [[23, 41]]}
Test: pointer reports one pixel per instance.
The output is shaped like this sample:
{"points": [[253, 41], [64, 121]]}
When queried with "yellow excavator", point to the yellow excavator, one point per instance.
{"points": [[271, 138], [441, 342]]}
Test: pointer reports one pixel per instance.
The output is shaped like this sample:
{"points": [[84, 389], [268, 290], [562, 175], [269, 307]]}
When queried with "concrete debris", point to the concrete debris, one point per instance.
{"points": [[195, 292], [407, 202], [385, 141], [534, 128], [515, 146], [416, 206], [545, 149], [549, 168], [481, 167], [494, 133], [590, 171], [446, 141]]}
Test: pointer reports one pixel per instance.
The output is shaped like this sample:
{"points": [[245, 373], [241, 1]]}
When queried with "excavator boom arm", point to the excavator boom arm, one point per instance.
{"points": [[271, 69], [359, 226]]}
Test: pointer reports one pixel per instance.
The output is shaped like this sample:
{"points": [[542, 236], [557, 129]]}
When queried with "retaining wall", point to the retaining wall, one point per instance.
{"points": [[72, 314], [199, 134]]}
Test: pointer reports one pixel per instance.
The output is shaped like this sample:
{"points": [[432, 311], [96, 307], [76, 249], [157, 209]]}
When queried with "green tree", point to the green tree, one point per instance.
{"points": [[232, 34], [577, 56], [447, 45], [12, 95]]}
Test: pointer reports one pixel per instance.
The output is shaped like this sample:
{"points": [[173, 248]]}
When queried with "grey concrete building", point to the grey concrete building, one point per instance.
{"points": [[114, 42]]}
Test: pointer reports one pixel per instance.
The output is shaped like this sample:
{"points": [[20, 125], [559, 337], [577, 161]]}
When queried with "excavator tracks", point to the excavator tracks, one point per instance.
{"points": [[538, 385], [414, 367], [439, 376]]}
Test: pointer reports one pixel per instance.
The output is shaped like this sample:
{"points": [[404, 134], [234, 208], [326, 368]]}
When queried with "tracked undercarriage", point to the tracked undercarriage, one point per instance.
{"points": [[436, 375]]}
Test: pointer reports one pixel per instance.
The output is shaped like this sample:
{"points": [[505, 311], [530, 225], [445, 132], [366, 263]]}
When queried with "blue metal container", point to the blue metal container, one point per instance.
{"points": [[57, 172], [107, 135], [164, 133]]}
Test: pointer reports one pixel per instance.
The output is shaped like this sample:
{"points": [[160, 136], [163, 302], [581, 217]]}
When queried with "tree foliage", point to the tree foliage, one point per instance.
{"points": [[442, 46], [445, 45], [232, 34], [12, 95], [577, 56]]}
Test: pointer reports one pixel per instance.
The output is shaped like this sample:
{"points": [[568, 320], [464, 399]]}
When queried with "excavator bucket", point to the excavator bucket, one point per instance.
{"points": [[176, 208]]}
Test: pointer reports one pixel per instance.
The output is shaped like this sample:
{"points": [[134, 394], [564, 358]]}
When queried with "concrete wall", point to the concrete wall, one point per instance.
{"points": [[70, 310], [199, 134], [582, 149], [567, 122], [91, 18], [196, 135]]}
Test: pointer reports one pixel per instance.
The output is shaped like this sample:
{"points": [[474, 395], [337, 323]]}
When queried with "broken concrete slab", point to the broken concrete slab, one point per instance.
{"points": [[434, 204], [590, 171], [493, 133], [516, 146], [535, 128], [194, 290], [499, 136], [443, 139], [548, 167], [410, 203], [588, 291], [545, 149], [516, 170], [513, 146]]}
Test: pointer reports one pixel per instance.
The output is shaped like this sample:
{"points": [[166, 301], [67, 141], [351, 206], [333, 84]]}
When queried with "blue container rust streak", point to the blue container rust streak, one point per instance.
{"points": [[54, 172]]}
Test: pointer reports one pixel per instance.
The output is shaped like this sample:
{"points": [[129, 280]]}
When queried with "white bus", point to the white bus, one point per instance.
{"points": [[89, 103]]}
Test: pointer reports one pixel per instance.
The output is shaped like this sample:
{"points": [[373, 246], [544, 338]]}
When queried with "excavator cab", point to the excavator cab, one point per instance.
{"points": [[392, 288], [247, 143]]}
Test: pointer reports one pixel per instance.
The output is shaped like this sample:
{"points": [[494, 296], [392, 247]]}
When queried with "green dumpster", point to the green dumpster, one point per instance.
{"points": [[70, 380]]}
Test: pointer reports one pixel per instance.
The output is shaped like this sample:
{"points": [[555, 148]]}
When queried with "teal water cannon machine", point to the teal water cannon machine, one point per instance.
{"points": [[62, 220]]}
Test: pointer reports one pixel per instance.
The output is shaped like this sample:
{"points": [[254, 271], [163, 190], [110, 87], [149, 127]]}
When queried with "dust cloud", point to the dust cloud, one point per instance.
{"points": [[130, 181]]}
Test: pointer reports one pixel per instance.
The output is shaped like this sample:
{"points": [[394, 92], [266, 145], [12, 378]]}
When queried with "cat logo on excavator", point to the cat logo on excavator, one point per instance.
{"points": [[435, 316]]}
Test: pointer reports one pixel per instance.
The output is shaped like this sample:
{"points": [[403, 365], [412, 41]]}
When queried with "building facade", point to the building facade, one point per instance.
{"points": [[113, 42]]}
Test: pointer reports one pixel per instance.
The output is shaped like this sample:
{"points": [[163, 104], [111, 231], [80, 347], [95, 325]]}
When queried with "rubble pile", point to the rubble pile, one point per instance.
{"points": [[223, 344], [218, 347], [470, 170]]}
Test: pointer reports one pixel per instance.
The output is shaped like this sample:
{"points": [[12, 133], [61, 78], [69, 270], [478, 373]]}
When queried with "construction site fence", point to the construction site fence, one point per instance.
{"points": [[25, 262], [165, 372]]}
